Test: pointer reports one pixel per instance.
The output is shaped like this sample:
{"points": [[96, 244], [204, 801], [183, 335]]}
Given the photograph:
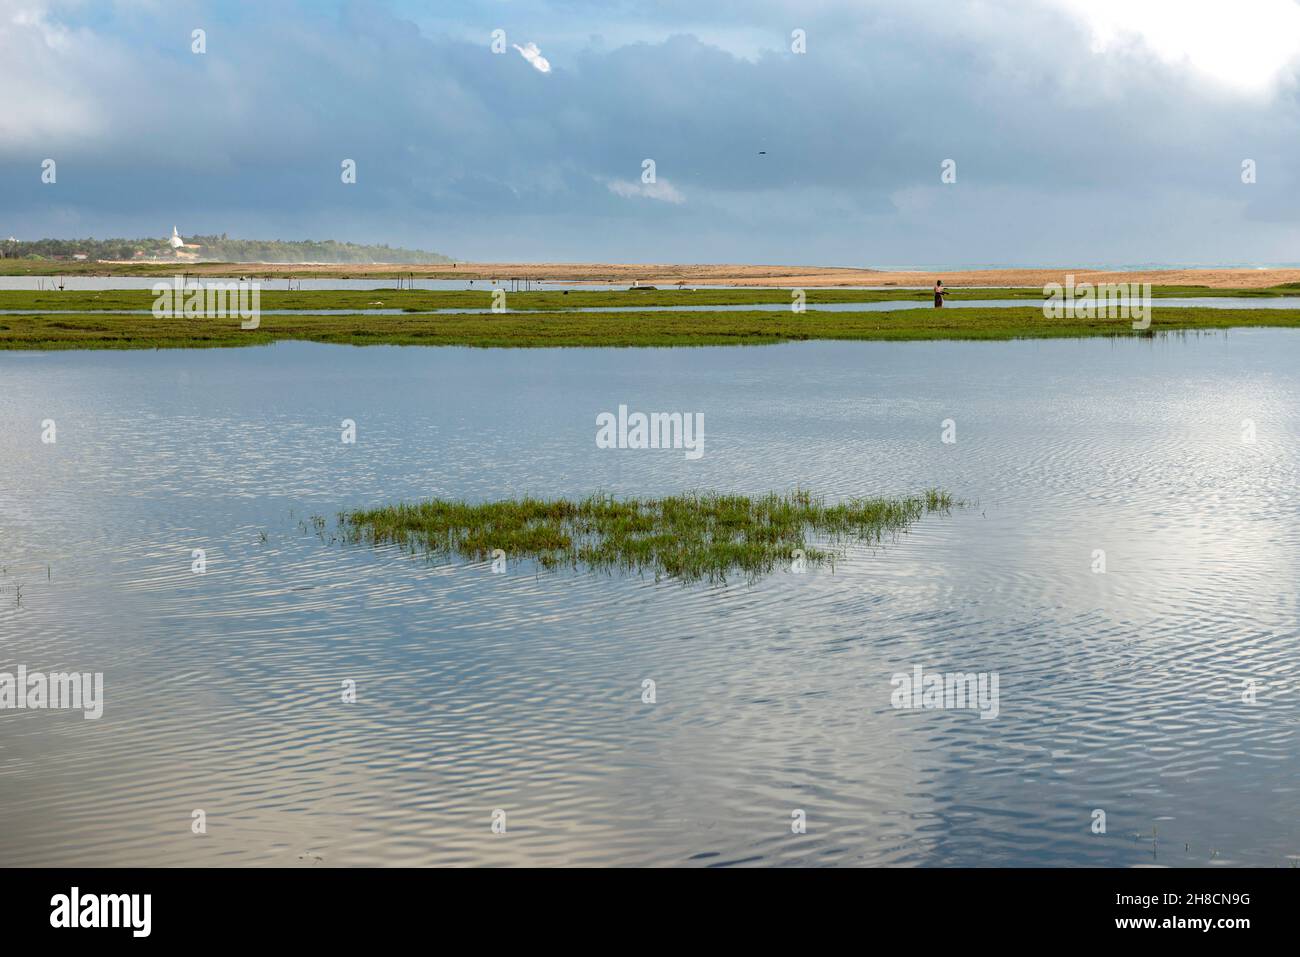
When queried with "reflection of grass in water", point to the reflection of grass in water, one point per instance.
{"points": [[693, 536]]}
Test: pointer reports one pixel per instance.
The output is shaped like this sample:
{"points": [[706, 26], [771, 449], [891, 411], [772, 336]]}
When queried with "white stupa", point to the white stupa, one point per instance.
{"points": [[176, 241]]}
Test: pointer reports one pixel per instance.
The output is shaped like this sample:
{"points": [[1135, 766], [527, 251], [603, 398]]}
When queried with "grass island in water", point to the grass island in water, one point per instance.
{"points": [[694, 536]]}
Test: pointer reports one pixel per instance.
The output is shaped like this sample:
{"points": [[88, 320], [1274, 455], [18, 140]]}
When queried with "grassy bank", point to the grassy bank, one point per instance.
{"points": [[425, 300], [690, 537], [481, 298], [104, 331]]}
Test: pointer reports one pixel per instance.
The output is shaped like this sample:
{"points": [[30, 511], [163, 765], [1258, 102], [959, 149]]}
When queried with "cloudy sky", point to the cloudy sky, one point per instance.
{"points": [[1084, 132]]}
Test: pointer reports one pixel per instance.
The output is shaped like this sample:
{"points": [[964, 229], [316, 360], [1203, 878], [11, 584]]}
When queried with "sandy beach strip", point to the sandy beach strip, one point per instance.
{"points": [[667, 275]]}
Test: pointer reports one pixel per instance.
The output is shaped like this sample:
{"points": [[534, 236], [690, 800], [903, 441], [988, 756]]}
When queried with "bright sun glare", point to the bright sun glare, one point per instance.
{"points": [[1246, 45]]}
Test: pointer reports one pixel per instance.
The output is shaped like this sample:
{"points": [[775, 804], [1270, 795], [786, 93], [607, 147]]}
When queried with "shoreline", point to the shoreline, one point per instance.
{"points": [[737, 275]]}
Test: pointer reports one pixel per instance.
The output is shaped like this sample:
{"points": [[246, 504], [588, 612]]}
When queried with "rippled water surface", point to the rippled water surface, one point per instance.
{"points": [[522, 691]]}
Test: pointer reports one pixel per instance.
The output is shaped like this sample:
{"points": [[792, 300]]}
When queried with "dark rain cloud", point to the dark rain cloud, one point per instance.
{"points": [[1063, 154]]}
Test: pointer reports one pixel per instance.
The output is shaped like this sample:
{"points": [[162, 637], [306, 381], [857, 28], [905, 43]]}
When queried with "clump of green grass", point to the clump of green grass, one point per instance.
{"points": [[694, 536]]}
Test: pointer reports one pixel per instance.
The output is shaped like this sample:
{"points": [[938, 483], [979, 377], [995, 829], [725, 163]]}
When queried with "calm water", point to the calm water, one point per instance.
{"points": [[279, 285], [1221, 302], [521, 691], [83, 283]]}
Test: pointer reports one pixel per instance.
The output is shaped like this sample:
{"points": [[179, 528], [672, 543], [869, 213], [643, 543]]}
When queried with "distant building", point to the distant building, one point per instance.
{"points": [[180, 248]]}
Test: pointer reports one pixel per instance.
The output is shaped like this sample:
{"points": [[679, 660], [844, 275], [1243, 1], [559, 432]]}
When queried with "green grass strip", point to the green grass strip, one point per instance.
{"points": [[593, 329]]}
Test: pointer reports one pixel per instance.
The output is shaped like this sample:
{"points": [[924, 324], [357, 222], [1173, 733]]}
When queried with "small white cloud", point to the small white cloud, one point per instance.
{"points": [[661, 190], [534, 56]]}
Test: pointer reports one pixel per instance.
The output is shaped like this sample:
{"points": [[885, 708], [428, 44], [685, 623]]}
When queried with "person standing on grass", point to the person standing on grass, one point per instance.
{"points": [[939, 293]]}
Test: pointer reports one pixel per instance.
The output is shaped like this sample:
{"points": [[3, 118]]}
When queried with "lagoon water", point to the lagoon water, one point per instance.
{"points": [[85, 283], [1122, 691], [279, 284], [1203, 302]]}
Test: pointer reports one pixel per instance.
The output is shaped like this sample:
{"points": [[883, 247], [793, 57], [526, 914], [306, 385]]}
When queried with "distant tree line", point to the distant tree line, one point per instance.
{"points": [[218, 249]]}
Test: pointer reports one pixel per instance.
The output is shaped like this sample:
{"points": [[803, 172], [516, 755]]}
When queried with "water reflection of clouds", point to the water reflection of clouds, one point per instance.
{"points": [[522, 691]]}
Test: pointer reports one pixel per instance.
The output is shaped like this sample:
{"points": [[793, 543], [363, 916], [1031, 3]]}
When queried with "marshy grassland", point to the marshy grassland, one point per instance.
{"points": [[422, 300], [38, 330], [690, 537], [406, 300]]}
